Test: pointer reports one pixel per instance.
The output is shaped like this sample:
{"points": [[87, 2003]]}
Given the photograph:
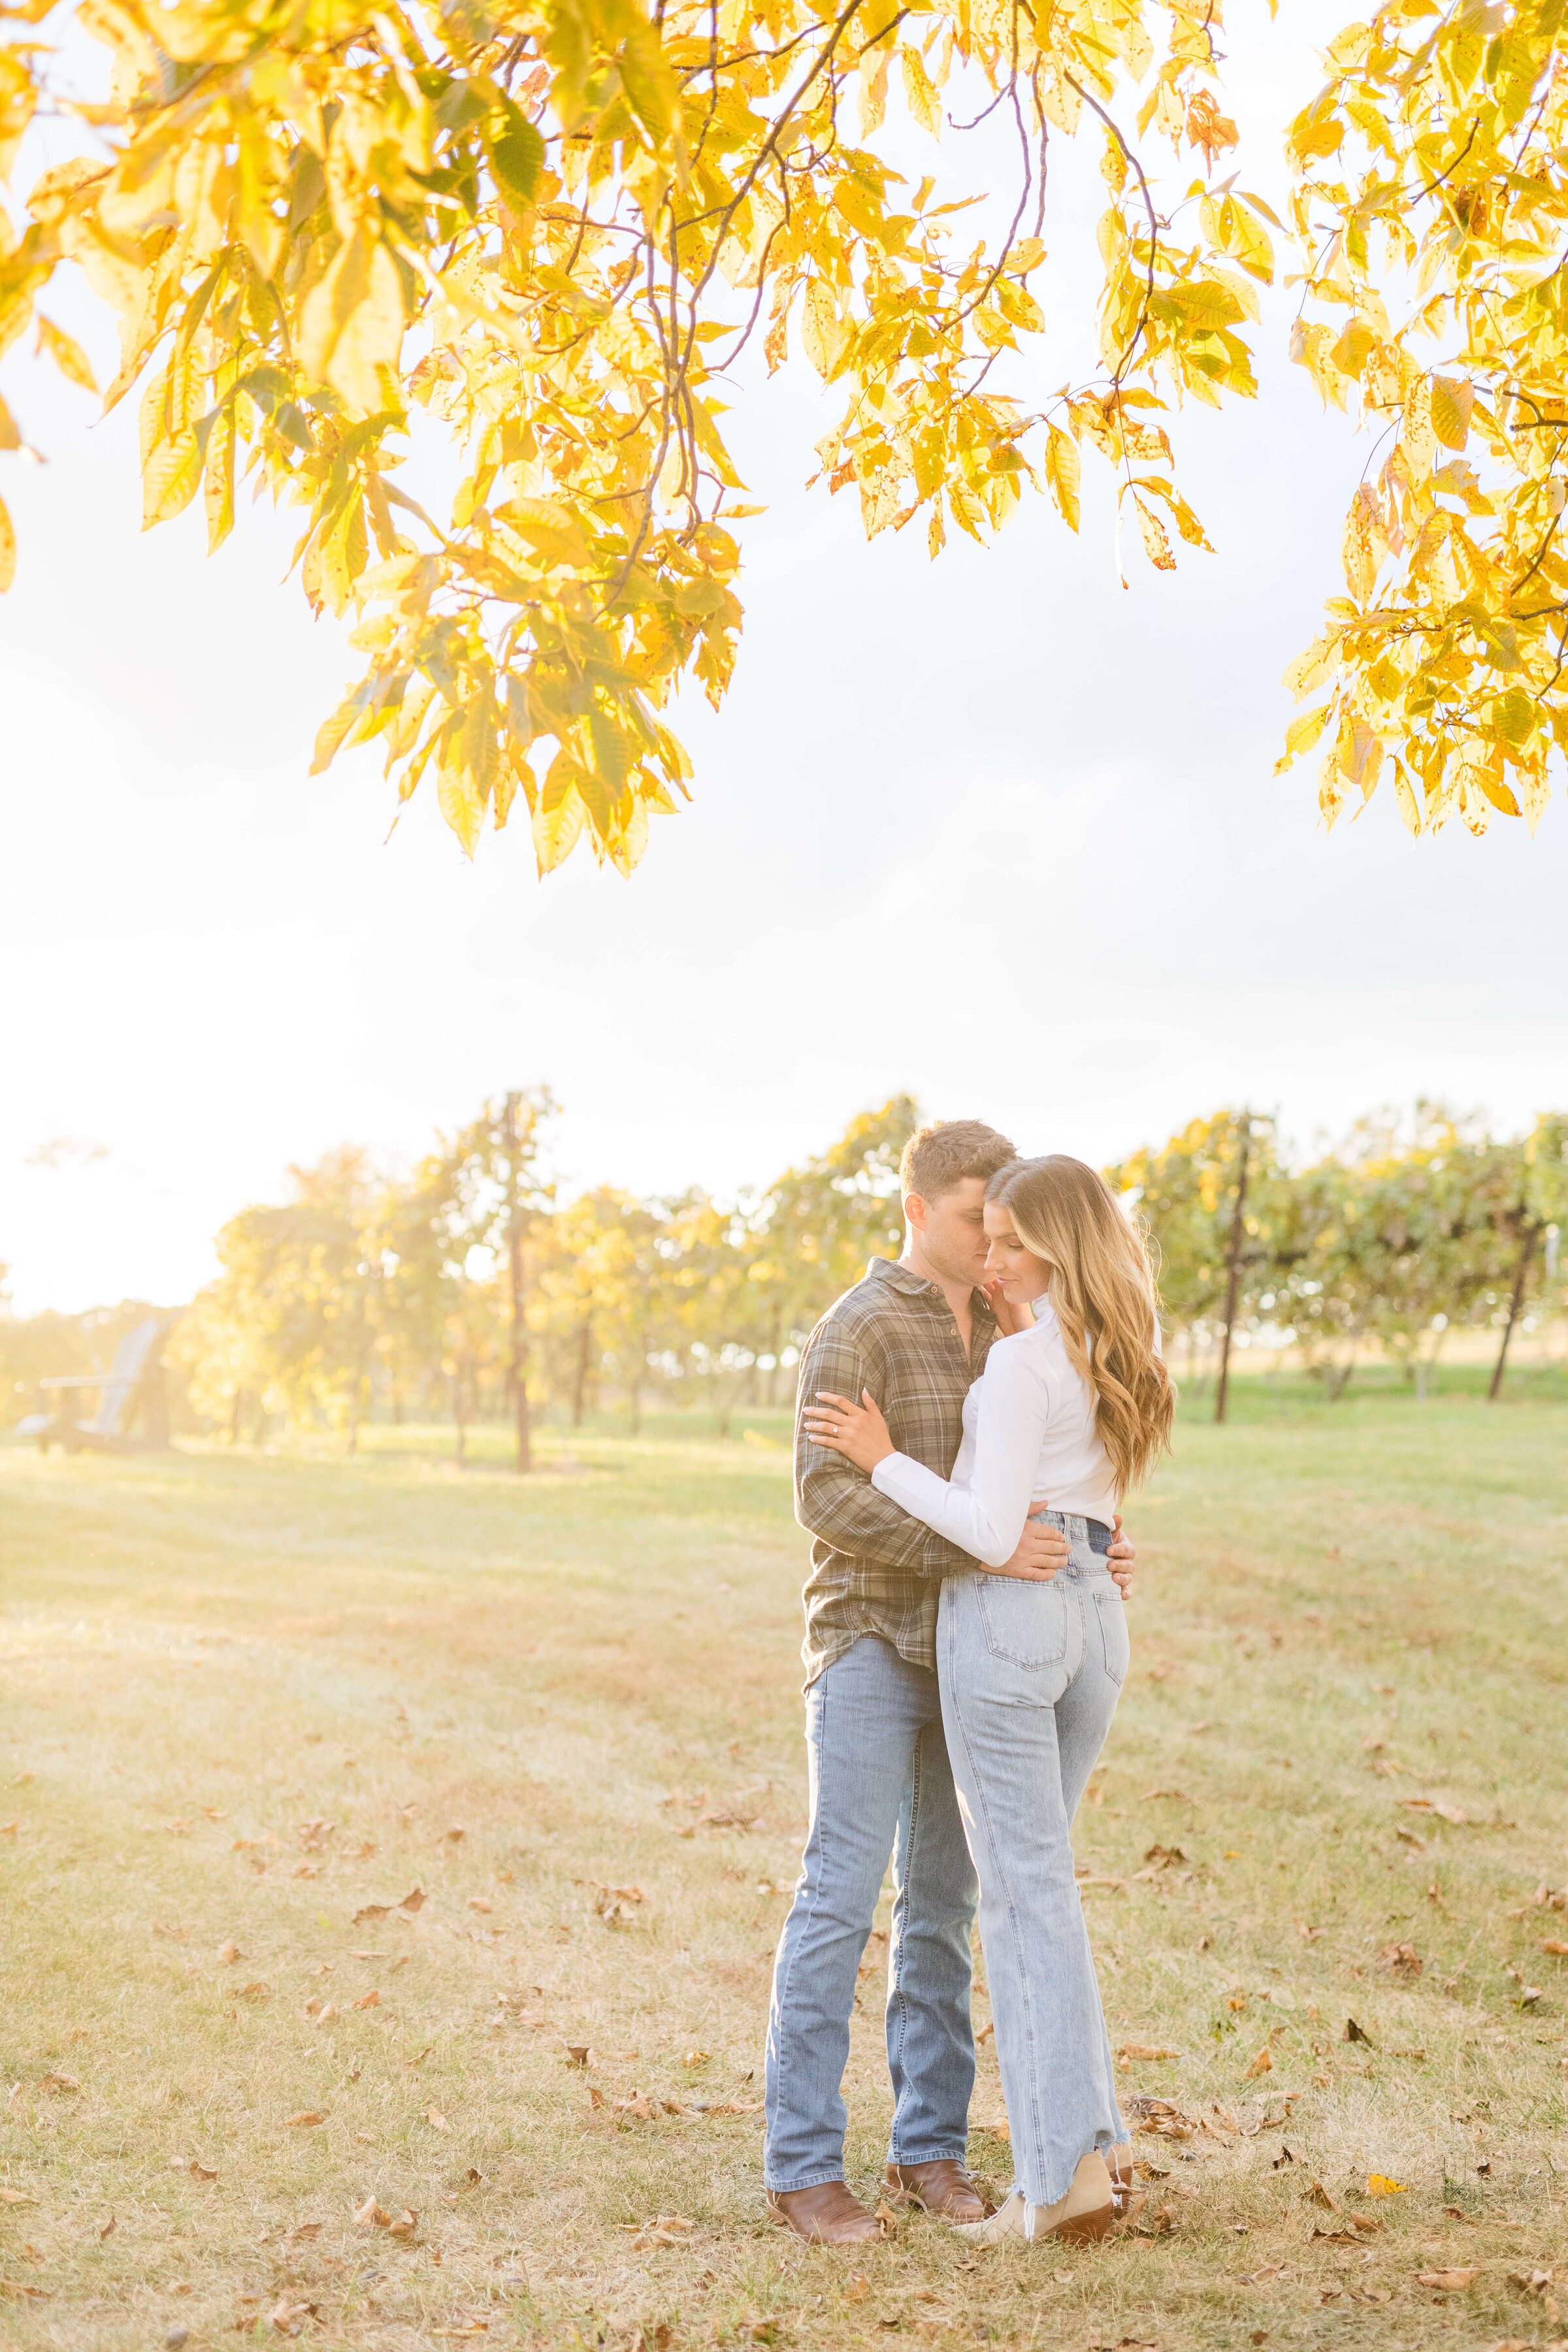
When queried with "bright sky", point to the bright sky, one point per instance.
{"points": [[992, 829]]}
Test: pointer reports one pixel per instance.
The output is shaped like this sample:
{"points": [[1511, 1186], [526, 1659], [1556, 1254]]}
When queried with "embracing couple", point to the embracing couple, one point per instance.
{"points": [[970, 1418]]}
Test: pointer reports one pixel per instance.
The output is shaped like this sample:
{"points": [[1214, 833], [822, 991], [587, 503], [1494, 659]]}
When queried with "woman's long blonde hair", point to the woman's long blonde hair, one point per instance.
{"points": [[1106, 1300]]}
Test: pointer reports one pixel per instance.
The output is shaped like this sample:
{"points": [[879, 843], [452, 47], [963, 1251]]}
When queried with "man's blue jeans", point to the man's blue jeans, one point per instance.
{"points": [[879, 1783]]}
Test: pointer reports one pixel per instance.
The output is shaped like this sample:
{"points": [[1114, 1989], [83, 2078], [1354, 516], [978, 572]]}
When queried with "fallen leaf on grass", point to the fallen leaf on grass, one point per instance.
{"points": [[1451, 2281], [301, 2232], [228, 1953], [370, 2211], [1131, 2050], [663, 2230], [1401, 1961], [1554, 1943], [1319, 2195], [1354, 2033], [371, 1911], [170, 1934], [887, 2218], [414, 1900], [1531, 2281], [1262, 2064], [16, 2196], [1162, 2118], [53, 2082], [434, 2115], [306, 2116], [578, 2054], [616, 1906], [287, 2318], [18, 2291], [107, 2227], [259, 1990], [1378, 2184], [404, 2225], [370, 1999], [1165, 1857]]}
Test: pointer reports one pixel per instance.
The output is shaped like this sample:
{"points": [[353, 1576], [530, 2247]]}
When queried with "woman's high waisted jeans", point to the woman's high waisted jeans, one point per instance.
{"points": [[1030, 1675]]}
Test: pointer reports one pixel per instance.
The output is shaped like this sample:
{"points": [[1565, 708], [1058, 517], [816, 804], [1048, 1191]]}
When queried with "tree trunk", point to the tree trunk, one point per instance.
{"points": [[775, 1335], [236, 1411], [580, 1378], [1521, 1272], [517, 1369], [1237, 1236]]}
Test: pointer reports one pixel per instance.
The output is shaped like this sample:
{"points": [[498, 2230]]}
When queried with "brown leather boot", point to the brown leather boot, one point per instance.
{"points": [[941, 2186], [828, 2215]]}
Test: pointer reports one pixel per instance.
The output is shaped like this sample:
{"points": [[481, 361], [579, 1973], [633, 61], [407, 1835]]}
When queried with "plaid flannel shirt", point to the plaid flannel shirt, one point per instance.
{"points": [[875, 1569]]}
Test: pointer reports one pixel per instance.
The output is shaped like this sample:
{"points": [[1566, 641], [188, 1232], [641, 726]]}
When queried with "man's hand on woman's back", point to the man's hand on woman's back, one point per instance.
{"points": [[1043, 1550]]}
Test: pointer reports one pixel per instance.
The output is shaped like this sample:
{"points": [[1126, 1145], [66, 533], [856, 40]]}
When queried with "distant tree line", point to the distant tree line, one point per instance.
{"points": [[465, 1289]]}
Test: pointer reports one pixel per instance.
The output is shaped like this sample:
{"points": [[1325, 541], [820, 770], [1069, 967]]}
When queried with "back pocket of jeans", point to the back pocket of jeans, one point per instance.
{"points": [[1113, 1633], [1025, 1623]]}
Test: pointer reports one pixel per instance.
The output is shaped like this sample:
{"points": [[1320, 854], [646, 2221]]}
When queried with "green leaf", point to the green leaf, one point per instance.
{"points": [[517, 158]]}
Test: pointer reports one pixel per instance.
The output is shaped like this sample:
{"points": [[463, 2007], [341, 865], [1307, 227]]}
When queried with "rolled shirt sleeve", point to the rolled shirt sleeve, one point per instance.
{"points": [[985, 1517]]}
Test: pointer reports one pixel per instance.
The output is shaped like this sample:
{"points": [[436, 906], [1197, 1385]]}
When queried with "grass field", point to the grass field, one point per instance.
{"points": [[544, 1740]]}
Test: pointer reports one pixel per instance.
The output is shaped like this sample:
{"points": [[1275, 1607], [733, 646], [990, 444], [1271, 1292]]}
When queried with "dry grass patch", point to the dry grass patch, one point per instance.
{"points": [[393, 1862]]}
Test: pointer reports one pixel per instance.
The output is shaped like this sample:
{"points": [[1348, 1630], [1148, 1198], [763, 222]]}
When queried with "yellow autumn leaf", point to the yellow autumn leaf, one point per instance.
{"points": [[168, 480], [1300, 735], [7, 549], [67, 353], [1156, 545], [1452, 402], [822, 337], [1062, 473], [925, 107]]}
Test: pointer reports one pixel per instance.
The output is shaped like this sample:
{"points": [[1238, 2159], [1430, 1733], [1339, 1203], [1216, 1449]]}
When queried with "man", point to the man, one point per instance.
{"points": [[916, 1334]]}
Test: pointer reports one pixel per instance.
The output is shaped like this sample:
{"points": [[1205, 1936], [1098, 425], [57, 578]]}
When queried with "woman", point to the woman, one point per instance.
{"points": [[1073, 1409]]}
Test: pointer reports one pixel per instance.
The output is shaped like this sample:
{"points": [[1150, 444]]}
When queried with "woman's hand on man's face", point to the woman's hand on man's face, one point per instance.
{"points": [[857, 1430]]}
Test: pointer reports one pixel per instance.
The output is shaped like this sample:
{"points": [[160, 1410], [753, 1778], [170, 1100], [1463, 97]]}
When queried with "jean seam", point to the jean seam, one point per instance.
{"points": [[788, 2188], [897, 2154], [820, 1826], [896, 1992]]}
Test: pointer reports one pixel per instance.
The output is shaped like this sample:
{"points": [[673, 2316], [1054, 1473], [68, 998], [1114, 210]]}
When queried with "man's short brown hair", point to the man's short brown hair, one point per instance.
{"points": [[941, 1155]]}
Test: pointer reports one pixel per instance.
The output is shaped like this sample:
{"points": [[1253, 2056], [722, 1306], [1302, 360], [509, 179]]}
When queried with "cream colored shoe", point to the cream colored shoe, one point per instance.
{"points": [[1086, 2211]]}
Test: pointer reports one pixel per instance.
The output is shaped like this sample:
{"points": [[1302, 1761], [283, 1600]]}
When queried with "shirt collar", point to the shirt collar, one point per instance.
{"points": [[915, 1285]]}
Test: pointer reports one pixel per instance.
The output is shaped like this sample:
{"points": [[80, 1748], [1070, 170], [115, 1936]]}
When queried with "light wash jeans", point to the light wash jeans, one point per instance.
{"points": [[879, 1783], [1030, 1675]]}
